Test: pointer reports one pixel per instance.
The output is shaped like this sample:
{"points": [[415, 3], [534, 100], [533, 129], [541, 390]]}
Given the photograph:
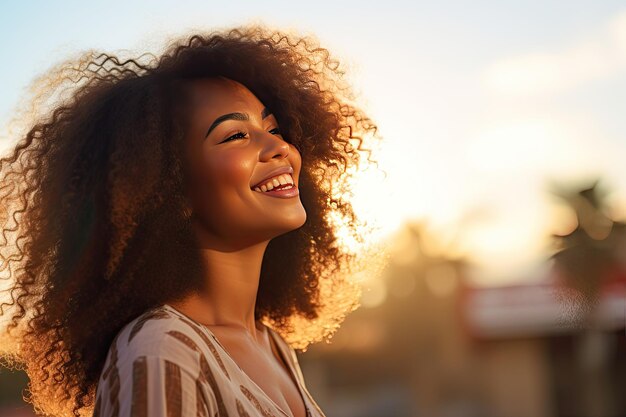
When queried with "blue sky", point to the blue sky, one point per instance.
{"points": [[480, 102]]}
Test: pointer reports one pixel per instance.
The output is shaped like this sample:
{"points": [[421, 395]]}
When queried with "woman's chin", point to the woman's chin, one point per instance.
{"points": [[290, 223]]}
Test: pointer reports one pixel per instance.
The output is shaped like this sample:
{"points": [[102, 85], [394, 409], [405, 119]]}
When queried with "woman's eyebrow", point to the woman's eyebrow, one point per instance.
{"points": [[235, 116]]}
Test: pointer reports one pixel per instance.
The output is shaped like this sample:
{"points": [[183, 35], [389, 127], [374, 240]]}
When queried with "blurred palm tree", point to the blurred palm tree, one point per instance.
{"points": [[591, 254]]}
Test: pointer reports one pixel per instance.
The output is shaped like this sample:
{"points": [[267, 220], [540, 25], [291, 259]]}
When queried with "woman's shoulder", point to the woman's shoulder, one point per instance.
{"points": [[158, 332]]}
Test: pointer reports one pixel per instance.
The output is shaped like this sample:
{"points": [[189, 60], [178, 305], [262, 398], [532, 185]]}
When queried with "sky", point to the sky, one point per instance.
{"points": [[481, 104]]}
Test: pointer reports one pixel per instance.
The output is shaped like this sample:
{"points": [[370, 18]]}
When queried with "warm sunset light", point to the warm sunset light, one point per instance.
{"points": [[490, 250]]}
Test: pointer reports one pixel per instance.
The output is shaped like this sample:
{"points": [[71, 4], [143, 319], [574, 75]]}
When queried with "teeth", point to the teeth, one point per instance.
{"points": [[275, 182]]}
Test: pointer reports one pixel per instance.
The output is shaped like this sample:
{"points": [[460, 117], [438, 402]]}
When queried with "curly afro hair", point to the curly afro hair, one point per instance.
{"points": [[92, 204]]}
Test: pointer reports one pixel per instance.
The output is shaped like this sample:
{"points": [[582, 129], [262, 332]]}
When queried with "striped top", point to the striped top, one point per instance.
{"points": [[165, 364]]}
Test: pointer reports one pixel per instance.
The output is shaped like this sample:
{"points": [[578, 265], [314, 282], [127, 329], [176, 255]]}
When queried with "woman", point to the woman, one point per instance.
{"points": [[166, 212]]}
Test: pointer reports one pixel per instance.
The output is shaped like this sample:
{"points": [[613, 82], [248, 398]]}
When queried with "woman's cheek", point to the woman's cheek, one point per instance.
{"points": [[229, 169]]}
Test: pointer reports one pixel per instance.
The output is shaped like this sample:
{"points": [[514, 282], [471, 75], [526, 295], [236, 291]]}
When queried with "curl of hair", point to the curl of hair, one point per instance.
{"points": [[92, 207]]}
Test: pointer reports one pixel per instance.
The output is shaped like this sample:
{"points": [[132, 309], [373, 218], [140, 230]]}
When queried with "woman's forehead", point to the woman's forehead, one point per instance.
{"points": [[220, 92], [210, 98]]}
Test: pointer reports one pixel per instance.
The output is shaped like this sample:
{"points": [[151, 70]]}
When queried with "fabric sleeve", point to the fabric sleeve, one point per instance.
{"points": [[154, 386], [295, 363]]}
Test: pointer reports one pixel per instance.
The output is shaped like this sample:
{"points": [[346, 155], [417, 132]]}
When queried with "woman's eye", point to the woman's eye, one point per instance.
{"points": [[236, 135], [243, 135]]}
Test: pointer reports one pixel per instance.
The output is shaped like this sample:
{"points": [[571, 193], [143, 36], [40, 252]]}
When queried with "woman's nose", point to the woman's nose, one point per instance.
{"points": [[273, 146]]}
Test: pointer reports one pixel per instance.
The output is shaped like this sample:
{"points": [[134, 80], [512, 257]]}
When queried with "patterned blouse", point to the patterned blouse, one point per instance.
{"points": [[164, 364]]}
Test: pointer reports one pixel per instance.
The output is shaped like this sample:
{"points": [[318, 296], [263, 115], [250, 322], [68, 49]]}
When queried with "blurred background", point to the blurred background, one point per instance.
{"points": [[504, 207]]}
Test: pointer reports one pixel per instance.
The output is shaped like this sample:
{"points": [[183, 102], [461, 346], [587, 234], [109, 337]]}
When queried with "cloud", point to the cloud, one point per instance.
{"points": [[598, 56]]}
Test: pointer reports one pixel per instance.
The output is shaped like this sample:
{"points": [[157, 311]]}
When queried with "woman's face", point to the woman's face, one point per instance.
{"points": [[239, 152]]}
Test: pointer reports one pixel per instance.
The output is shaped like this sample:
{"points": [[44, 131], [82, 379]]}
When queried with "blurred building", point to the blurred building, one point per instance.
{"points": [[439, 346], [548, 352]]}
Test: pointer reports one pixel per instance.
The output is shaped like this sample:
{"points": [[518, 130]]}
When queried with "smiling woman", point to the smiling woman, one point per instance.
{"points": [[174, 228]]}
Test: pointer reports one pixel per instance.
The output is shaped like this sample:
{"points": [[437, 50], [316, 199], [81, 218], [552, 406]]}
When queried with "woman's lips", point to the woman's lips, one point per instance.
{"points": [[288, 170], [281, 192]]}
